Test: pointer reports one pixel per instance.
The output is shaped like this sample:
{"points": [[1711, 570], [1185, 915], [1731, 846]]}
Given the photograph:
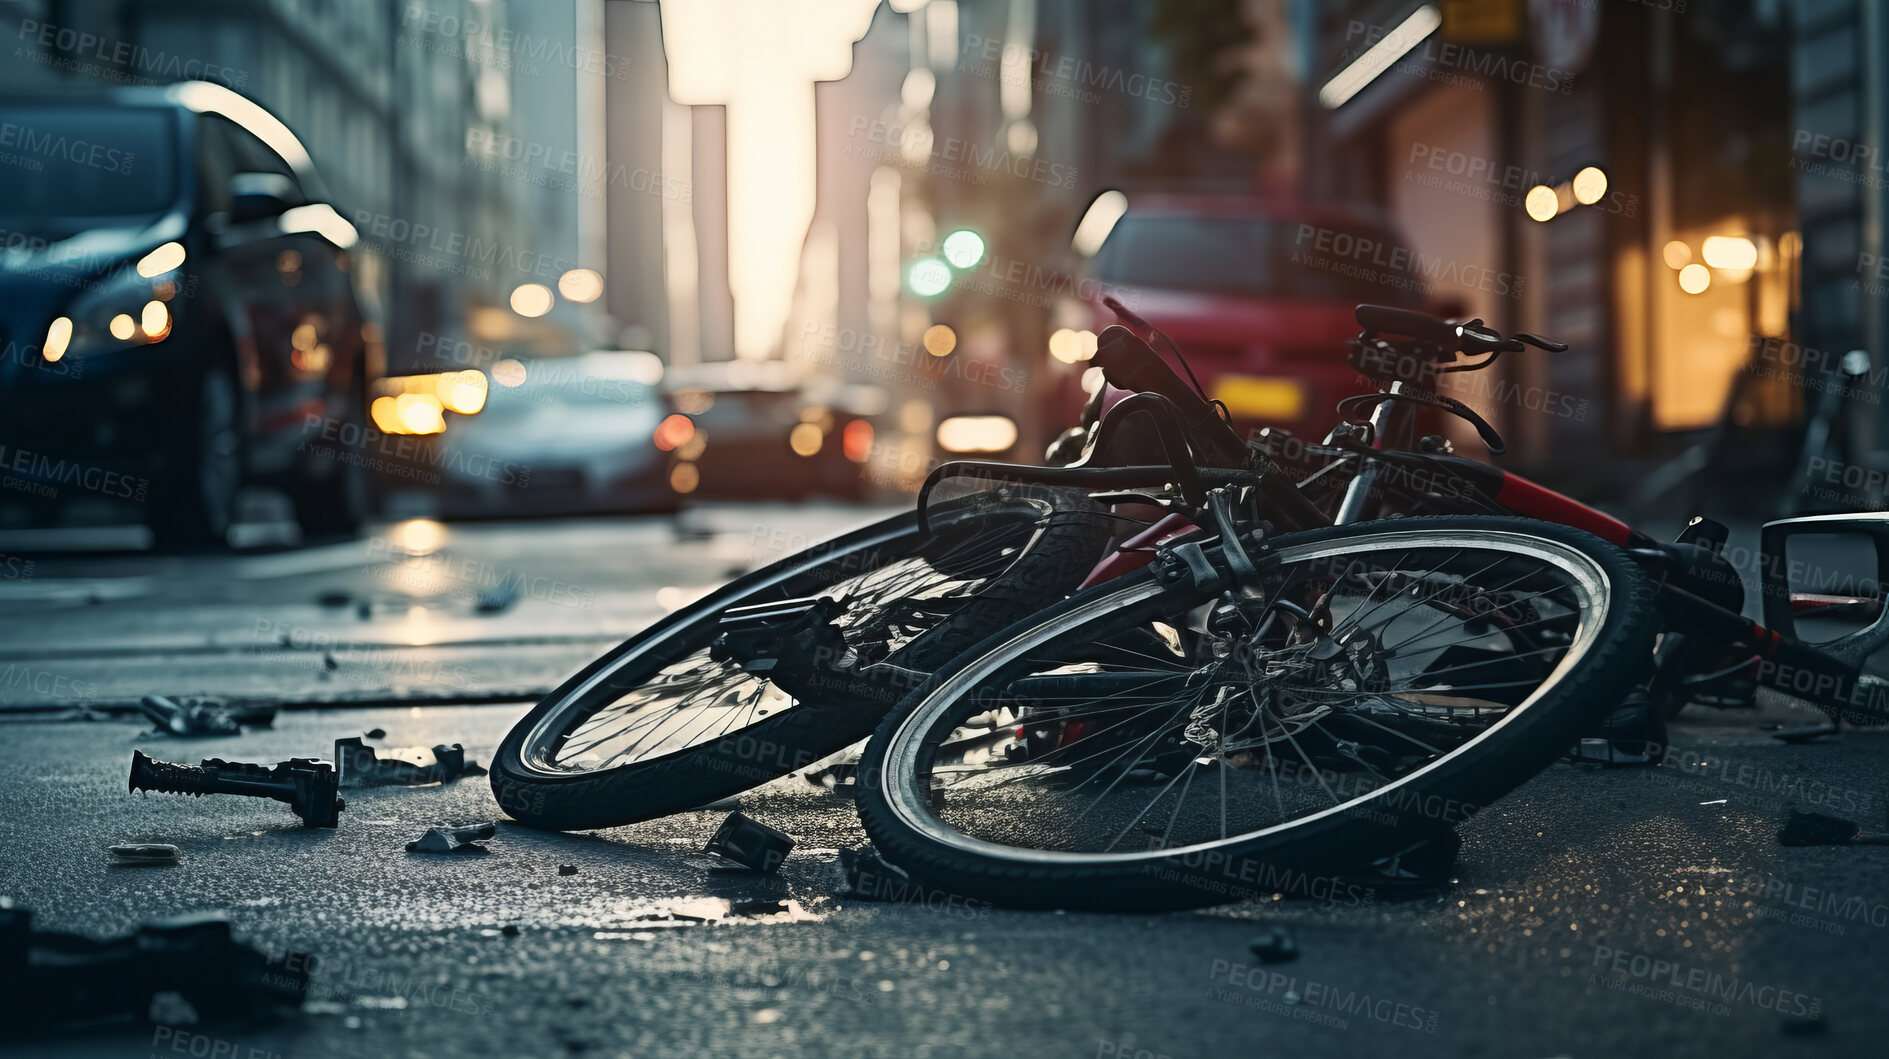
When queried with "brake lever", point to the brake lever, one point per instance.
{"points": [[1539, 343]]}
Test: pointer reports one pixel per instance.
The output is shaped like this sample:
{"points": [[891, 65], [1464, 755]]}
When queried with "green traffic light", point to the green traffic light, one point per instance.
{"points": [[963, 248]]}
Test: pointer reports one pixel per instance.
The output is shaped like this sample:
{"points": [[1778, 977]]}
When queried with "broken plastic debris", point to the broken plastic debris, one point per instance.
{"points": [[453, 839], [1274, 946], [144, 853], [1816, 829], [751, 844], [306, 785], [406, 766]]}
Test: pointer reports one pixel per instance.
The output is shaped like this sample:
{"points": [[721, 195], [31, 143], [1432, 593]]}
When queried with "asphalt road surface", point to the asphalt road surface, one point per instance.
{"points": [[1627, 912]]}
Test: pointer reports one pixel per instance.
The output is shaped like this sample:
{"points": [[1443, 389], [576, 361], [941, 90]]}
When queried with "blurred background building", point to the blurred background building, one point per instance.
{"points": [[878, 199], [463, 138]]}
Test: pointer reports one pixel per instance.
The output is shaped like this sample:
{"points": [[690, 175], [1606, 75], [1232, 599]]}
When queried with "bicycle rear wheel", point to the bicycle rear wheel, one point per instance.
{"points": [[663, 723], [1144, 745]]}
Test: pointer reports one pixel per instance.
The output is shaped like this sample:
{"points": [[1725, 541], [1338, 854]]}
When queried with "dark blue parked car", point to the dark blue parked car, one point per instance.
{"points": [[178, 313]]}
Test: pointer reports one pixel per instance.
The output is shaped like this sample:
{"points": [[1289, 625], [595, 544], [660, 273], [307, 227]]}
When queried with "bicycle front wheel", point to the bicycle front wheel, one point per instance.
{"points": [[663, 723], [1144, 745]]}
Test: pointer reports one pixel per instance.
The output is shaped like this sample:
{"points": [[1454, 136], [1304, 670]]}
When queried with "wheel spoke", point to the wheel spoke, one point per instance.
{"points": [[683, 697]]}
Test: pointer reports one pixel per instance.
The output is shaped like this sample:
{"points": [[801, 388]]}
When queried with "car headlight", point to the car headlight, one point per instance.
{"points": [[124, 309]]}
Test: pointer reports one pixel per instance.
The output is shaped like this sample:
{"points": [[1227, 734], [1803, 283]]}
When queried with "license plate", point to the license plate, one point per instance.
{"points": [[1248, 397]]}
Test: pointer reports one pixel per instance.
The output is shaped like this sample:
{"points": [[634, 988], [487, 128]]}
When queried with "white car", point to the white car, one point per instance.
{"points": [[563, 434]]}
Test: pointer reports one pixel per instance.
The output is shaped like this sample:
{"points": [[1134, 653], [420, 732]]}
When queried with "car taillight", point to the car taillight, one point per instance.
{"points": [[674, 432], [856, 441]]}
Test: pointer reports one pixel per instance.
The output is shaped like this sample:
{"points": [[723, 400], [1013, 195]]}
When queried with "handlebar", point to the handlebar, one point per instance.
{"points": [[1473, 338]]}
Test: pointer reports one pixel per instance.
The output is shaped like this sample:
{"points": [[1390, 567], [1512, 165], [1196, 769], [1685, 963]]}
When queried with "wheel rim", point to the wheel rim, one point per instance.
{"points": [[617, 717], [1272, 770]]}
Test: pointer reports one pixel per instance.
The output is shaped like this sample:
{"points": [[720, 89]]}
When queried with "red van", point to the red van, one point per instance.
{"points": [[1258, 293]]}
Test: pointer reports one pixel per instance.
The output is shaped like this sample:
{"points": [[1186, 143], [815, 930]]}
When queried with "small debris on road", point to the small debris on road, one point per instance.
{"points": [[567, 869], [751, 844], [453, 839], [191, 717], [1816, 829], [375, 733], [305, 784], [405, 766], [144, 853], [334, 597], [1274, 946]]}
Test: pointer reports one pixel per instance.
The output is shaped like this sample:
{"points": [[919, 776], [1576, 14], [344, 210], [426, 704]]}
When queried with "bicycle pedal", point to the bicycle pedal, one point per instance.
{"points": [[757, 637]]}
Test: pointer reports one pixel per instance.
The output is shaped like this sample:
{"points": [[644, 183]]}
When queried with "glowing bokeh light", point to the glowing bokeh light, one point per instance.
{"points": [[532, 300]]}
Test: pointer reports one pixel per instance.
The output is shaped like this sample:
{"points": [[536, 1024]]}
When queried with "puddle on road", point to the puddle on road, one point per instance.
{"points": [[649, 917]]}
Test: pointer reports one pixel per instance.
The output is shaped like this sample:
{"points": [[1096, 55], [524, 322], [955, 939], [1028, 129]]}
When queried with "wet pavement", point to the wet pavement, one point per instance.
{"points": [[396, 615], [1642, 912]]}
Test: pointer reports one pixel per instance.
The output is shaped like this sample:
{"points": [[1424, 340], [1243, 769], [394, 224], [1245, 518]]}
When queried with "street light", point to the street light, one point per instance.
{"points": [[1542, 203], [1733, 253], [940, 340], [963, 248], [928, 277], [532, 300], [581, 285], [1590, 185], [1098, 221]]}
